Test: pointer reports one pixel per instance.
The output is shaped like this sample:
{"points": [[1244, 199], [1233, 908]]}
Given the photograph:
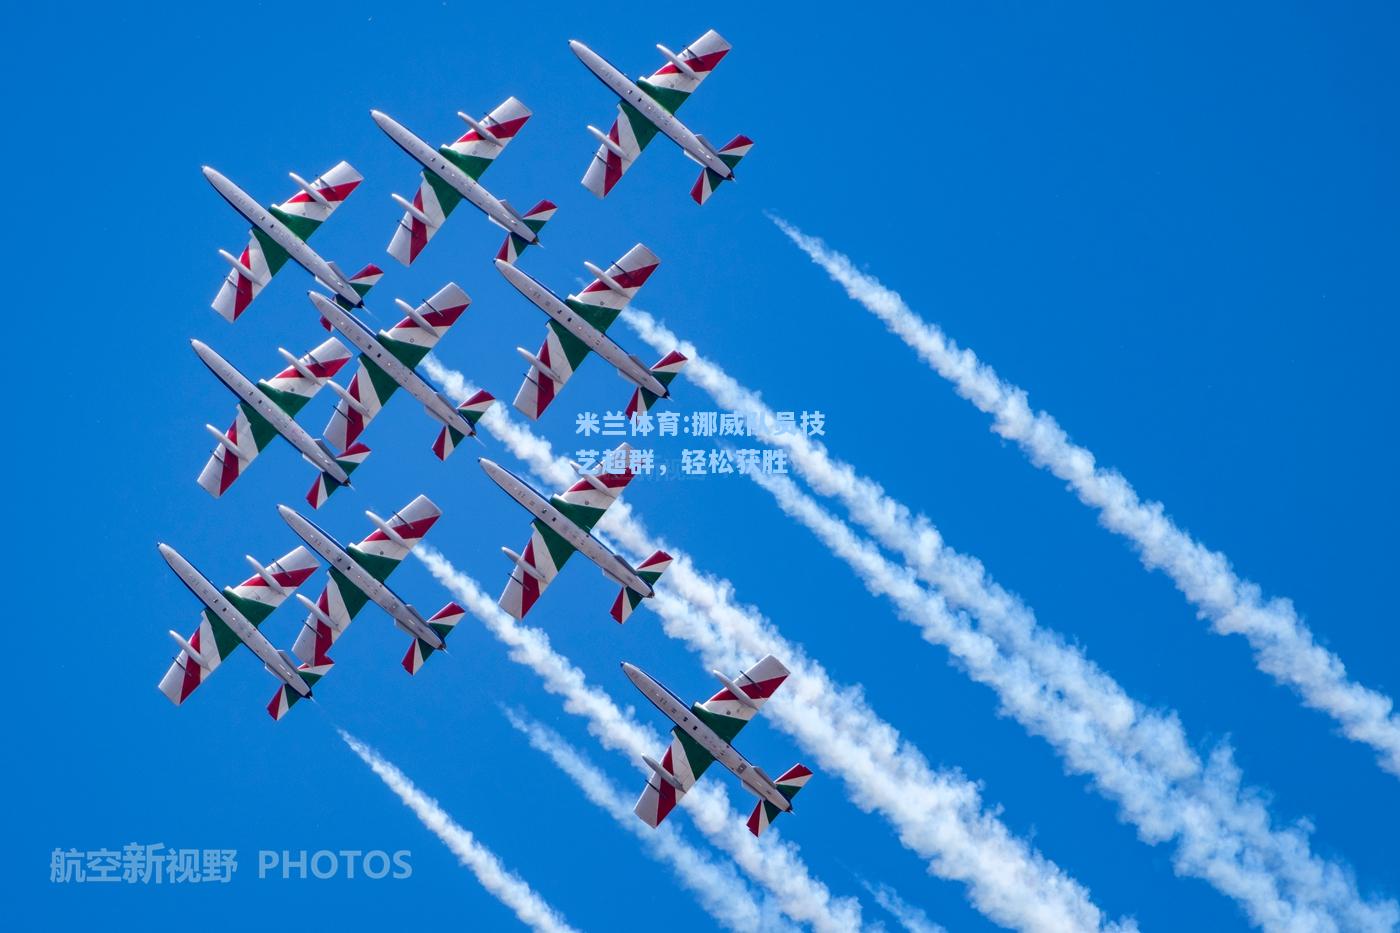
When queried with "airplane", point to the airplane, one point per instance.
{"points": [[269, 409], [356, 577], [452, 172], [387, 362], [280, 233], [231, 618], [649, 106], [702, 735], [579, 323], [564, 524]]}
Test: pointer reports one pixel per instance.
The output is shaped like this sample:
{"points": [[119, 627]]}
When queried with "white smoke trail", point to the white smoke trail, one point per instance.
{"points": [[509, 888], [772, 862], [720, 890], [911, 918], [938, 814], [1131, 739], [1283, 645]]}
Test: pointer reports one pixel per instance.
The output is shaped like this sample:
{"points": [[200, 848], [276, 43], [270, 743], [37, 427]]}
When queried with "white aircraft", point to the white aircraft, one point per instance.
{"points": [[231, 618], [564, 524], [452, 173], [648, 106], [387, 362], [578, 324], [356, 577], [702, 734], [280, 233], [269, 409]]}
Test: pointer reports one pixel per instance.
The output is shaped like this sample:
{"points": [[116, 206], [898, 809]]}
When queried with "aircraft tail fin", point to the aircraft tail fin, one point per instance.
{"points": [[789, 783], [443, 623], [649, 570], [472, 410], [285, 697], [361, 282], [709, 180], [665, 370], [326, 484], [539, 215]]}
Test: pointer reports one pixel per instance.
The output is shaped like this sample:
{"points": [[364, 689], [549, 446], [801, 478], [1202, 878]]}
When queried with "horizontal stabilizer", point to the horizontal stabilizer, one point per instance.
{"points": [[285, 697], [650, 570], [442, 623], [788, 783], [709, 179], [665, 370], [326, 484], [471, 410], [539, 215]]}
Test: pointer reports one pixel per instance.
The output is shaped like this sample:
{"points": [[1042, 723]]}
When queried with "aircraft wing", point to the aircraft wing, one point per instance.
{"points": [[250, 432], [685, 760], [598, 304], [341, 600], [409, 341], [303, 215], [669, 86], [215, 641], [435, 199]]}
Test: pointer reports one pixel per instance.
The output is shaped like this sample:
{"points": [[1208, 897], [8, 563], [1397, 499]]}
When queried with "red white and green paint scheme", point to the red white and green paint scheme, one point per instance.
{"points": [[703, 734], [357, 577], [231, 618], [280, 233], [388, 361], [578, 325], [564, 524], [648, 106], [452, 174], [268, 409]]}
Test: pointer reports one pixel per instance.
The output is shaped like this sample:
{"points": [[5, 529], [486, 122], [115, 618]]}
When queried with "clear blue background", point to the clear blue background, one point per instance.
{"points": [[1175, 225]]}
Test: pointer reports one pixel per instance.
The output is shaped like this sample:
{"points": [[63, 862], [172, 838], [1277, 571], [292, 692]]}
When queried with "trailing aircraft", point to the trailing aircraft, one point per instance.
{"points": [[703, 734]]}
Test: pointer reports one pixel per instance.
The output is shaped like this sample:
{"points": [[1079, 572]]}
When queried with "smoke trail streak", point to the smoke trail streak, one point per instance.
{"points": [[937, 814], [772, 862], [1283, 645], [509, 888]]}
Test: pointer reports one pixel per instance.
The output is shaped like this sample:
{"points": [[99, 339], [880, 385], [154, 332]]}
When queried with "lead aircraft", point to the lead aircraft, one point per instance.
{"points": [[356, 577], [564, 524], [649, 106], [702, 735], [578, 324], [280, 233], [452, 173], [268, 409], [231, 618]]}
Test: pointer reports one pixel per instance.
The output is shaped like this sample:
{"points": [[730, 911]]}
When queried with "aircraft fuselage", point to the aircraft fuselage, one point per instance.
{"points": [[408, 379], [705, 737], [468, 187], [404, 615], [613, 566], [283, 423], [597, 341], [296, 247], [238, 623], [665, 121]]}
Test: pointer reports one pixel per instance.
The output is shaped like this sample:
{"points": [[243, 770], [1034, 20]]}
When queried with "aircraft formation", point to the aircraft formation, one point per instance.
{"points": [[388, 360]]}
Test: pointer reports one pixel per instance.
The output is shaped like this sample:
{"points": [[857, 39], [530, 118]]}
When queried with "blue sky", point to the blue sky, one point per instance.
{"points": [[1174, 225]]}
